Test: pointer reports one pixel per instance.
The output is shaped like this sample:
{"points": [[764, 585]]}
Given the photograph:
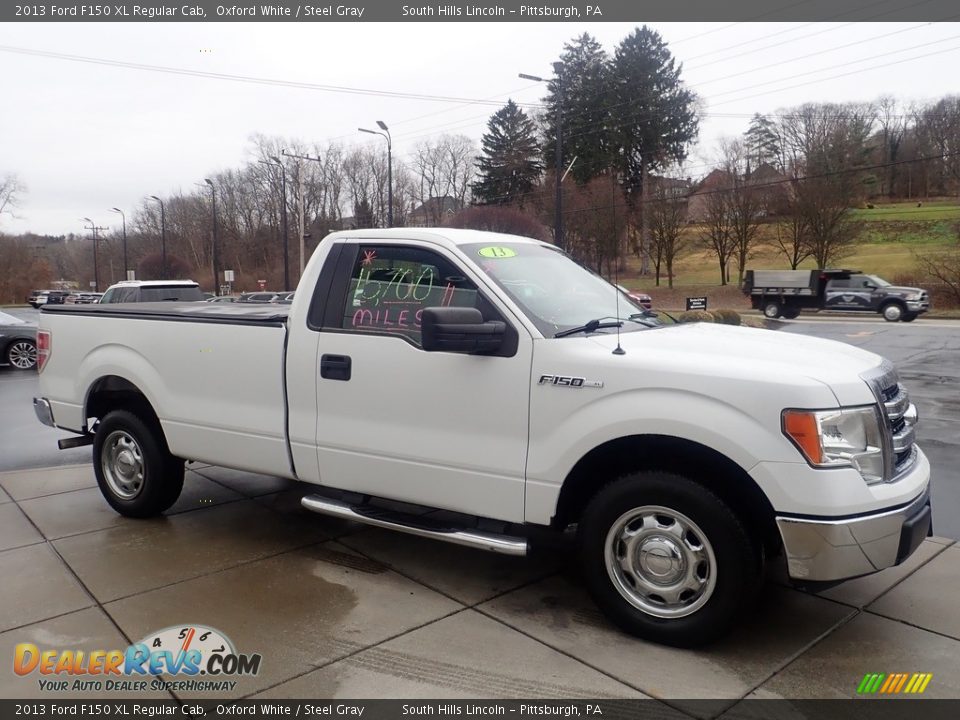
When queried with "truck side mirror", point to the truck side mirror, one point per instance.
{"points": [[454, 329]]}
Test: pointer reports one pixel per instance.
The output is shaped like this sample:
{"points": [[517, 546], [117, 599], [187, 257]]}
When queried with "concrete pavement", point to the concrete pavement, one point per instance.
{"points": [[340, 610]]}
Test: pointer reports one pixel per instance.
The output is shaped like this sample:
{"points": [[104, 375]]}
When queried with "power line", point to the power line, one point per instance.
{"points": [[244, 78]]}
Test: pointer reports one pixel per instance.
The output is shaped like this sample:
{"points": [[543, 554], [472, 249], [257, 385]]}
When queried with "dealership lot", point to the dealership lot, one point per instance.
{"points": [[340, 610]]}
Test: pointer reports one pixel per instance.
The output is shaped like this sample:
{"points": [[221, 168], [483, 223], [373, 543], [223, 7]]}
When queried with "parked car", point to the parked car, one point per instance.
{"points": [[640, 298], [18, 343], [152, 291], [259, 297], [222, 299], [42, 297], [88, 298]]}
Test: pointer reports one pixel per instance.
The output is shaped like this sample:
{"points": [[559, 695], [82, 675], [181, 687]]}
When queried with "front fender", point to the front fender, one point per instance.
{"points": [[557, 446]]}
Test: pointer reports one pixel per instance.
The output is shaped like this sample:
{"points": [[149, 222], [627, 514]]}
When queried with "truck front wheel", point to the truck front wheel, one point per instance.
{"points": [[666, 559], [772, 309], [135, 471], [892, 312]]}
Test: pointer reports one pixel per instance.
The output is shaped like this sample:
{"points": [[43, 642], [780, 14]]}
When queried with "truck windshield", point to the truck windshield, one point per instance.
{"points": [[555, 292]]}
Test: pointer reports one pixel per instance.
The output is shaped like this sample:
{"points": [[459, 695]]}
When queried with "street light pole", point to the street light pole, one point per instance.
{"points": [[126, 267], [286, 237], [558, 168], [215, 258], [163, 239], [386, 133]]}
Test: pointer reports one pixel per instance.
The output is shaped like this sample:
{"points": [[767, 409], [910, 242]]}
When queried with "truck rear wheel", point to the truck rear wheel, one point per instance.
{"points": [[135, 471], [772, 309], [892, 312], [666, 559]]}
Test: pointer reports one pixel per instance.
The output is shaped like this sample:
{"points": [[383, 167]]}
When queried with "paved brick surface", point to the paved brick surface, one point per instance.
{"points": [[341, 610]]}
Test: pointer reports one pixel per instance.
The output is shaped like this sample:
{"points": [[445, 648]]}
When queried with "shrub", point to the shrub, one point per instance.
{"points": [[726, 316], [695, 316]]}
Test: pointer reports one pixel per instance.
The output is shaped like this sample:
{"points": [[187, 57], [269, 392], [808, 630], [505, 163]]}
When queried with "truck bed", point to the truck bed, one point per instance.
{"points": [[259, 314]]}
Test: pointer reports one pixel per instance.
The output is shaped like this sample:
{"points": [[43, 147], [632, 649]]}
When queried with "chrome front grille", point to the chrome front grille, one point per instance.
{"points": [[900, 420]]}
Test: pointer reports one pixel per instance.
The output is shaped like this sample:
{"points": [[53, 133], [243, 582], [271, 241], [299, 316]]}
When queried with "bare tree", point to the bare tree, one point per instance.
{"points": [[745, 202], [10, 190], [716, 231], [667, 216]]}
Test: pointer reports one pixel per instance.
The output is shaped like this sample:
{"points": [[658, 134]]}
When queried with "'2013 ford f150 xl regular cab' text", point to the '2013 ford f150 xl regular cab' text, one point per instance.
{"points": [[492, 376]]}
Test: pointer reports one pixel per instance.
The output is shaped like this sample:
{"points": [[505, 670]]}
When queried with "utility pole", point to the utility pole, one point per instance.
{"points": [[126, 267], [93, 227], [302, 204], [286, 235], [213, 250]]}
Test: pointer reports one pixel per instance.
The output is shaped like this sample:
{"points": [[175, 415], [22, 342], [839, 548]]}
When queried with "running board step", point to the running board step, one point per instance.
{"points": [[416, 525]]}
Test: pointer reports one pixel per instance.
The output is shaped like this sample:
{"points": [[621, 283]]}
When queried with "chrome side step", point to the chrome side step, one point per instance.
{"points": [[416, 525]]}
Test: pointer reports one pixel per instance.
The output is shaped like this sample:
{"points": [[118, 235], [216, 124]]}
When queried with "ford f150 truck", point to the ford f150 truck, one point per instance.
{"points": [[492, 376], [784, 293]]}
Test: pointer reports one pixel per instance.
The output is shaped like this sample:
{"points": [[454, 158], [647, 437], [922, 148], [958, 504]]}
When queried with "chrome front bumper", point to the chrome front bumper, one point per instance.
{"points": [[824, 550], [44, 413]]}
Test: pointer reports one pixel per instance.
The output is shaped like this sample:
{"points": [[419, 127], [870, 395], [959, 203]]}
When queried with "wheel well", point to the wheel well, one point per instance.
{"points": [[697, 462], [112, 392]]}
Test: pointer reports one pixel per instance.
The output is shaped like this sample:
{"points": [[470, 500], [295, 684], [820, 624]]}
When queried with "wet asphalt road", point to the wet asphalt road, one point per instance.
{"points": [[927, 353]]}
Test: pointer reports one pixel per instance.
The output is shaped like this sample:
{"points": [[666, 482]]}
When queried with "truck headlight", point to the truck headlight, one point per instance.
{"points": [[848, 437], [914, 296]]}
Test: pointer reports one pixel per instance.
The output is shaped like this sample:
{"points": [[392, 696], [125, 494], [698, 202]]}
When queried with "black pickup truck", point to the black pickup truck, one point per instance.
{"points": [[785, 293]]}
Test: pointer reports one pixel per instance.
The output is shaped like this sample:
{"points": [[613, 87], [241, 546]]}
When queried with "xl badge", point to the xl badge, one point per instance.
{"points": [[568, 381]]}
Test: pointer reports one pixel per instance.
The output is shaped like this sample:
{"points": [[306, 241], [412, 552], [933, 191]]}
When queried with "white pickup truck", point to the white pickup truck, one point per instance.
{"points": [[490, 375]]}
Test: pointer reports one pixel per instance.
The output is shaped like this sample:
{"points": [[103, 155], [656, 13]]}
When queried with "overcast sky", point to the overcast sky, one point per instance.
{"points": [[86, 137]]}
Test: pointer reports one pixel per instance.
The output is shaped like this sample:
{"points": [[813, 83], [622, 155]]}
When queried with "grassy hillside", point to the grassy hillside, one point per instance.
{"points": [[893, 235]]}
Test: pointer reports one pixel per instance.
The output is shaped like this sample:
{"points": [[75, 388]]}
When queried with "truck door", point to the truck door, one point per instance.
{"points": [[441, 429], [850, 294]]}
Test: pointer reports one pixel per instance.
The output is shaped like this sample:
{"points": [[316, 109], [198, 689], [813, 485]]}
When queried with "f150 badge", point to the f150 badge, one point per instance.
{"points": [[568, 381]]}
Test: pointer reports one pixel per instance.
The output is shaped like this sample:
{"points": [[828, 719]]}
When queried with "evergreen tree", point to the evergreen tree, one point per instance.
{"points": [[763, 142], [653, 114], [509, 167], [581, 90]]}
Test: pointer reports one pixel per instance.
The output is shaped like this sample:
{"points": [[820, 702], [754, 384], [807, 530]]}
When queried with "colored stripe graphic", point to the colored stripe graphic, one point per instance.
{"points": [[894, 683]]}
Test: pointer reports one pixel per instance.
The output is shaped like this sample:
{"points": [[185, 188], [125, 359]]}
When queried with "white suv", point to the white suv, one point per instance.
{"points": [[129, 291]]}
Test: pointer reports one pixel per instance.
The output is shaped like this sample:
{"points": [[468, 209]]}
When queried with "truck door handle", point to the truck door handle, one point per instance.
{"points": [[335, 367]]}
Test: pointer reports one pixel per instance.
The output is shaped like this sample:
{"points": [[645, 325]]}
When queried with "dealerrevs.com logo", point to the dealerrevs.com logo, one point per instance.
{"points": [[199, 658]]}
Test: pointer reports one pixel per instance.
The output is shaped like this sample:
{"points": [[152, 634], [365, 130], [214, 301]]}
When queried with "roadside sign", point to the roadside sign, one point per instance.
{"points": [[696, 303], [228, 276], [92, 284], [262, 284], [131, 274]]}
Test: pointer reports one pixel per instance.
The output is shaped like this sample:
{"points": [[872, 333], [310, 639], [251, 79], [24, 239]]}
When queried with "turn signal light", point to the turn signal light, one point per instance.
{"points": [[801, 427]]}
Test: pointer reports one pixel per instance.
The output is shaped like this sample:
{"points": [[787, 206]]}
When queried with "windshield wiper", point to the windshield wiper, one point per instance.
{"points": [[590, 327]]}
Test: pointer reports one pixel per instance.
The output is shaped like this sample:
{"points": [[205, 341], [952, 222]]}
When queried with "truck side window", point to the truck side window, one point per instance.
{"points": [[390, 286]]}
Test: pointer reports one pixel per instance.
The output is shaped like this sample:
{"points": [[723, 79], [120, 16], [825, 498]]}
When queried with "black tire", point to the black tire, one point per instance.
{"points": [[791, 313], [21, 354], [910, 317], [135, 471], [726, 563], [772, 309], [893, 312]]}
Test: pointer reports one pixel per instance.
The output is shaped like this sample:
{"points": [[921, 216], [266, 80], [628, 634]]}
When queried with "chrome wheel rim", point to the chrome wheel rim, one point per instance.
{"points": [[893, 312], [122, 463], [660, 561], [22, 355], [771, 311]]}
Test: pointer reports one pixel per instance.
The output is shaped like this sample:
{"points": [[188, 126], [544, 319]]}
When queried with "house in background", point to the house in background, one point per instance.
{"points": [[434, 211]]}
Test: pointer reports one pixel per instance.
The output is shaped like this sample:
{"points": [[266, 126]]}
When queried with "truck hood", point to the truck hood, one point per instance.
{"points": [[749, 352], [902, 290]]}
